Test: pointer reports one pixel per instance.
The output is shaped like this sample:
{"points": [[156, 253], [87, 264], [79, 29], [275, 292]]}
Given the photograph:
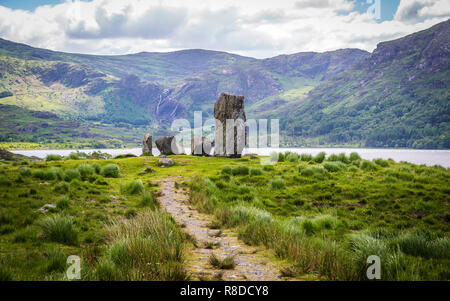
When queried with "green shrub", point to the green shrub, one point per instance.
{"points": [[278, 184], [59, 228], [268, 168], [381, 162], [226, 170], [367, 165], [134, 187], [343, 158], [306, 157], [292, 157], [97, 168], [240, 170], [85, 170], [320, 157], [63, 203], [45, 175], [111, 171], [25, 172], [308, 227], [57, 172], [71, 174], [61, 187], [312, 171], [256, 171], [354, 157], [334, 166], [52, 157], [72, 156]]}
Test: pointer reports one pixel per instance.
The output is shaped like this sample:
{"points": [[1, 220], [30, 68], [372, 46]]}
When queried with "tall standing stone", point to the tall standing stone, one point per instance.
{"points": [[147, 144], [229, 126]]}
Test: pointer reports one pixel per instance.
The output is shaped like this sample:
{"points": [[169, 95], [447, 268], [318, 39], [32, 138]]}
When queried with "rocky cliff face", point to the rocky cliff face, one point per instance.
{"points": [[396, 97]]}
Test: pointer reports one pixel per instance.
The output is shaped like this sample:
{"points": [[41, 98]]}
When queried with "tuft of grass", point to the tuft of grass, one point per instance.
{"points": [[71, 174], [268, 168], [52, 157], [134, 187], [306, 157], [72, 156], [85, 170], [320, 157], [211, 245], [424, 244], [278, 184], [240, 170], [334, 166], [25, 172], [56, 261], [354, 157], [381, 162], [63, 203], [255, 171], [97, 168], [147, 200], [228, 263], [111, 171], [147, 247], [5, 273], [227, 170], [369, 166], [62, 188], [59, 228]]}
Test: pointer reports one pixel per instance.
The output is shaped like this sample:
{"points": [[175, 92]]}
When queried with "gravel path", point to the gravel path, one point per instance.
{"points": [[251, 263]]}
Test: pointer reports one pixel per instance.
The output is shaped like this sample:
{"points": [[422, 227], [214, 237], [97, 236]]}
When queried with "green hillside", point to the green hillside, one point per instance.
{"points": [[397, 97], [155, 88]]}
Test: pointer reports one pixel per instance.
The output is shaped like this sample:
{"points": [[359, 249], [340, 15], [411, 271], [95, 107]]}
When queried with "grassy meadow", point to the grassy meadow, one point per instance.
{"points": [[324, 215]]}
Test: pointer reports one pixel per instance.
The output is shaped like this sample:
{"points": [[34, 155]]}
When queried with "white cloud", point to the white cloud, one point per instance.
{"points": [[414, 10], [259, 28]]}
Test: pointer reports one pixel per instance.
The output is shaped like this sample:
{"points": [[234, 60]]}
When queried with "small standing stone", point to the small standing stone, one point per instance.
{"points": [[169, 146], [147, 144]]}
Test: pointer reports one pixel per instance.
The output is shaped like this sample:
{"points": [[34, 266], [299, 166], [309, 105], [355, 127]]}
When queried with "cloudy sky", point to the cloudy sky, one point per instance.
{"points": [[257, 28]]}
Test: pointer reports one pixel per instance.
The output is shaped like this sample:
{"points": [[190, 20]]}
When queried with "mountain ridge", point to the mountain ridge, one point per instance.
{"points": [[396, 96]]}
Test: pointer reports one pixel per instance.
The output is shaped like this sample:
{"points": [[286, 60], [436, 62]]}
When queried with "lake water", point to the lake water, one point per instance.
{"points": [[427, 157]]}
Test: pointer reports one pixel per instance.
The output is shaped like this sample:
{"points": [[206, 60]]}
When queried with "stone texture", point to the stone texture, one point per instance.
{"points": [[168, 146], [165, 162], [230, 120], [147, 144], [201, 146]]}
